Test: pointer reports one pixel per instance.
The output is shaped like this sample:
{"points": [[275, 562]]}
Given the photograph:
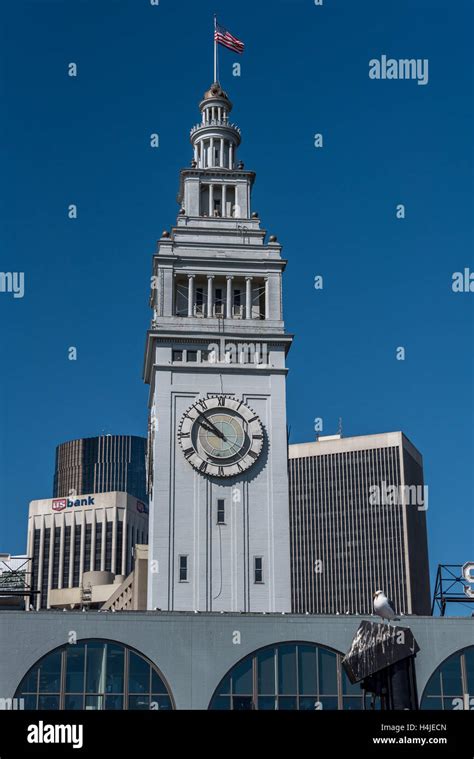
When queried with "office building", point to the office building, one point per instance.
{"points": [[358, 524], [68, 537], [104, 464]]}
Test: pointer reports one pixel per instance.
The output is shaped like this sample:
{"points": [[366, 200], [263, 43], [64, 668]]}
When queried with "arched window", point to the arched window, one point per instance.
{"points": [[288, 676], [451, 686], [94, 674]]}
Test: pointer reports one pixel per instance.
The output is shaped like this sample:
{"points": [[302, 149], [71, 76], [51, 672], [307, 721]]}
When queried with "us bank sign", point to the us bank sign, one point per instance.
{"points": [[59, 504]]}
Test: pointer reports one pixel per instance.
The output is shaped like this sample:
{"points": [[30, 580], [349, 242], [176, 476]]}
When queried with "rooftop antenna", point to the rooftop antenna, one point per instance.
{"points": [[339, 431]]}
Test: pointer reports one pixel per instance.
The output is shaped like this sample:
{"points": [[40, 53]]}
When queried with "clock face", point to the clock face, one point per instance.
{"points": [[221, 437]]}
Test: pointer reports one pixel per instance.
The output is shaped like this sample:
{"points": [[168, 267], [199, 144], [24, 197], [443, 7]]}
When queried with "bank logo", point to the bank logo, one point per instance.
{"points": [[59, 504]]}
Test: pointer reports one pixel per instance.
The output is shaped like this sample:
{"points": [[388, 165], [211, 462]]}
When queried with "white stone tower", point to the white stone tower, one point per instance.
{"points": [[215, 363]]}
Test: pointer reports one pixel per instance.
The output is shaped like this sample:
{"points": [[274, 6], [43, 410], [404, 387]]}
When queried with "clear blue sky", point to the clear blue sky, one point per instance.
{"points": [[143, 69]]}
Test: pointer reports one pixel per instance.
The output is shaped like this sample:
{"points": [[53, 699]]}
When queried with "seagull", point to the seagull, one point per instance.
{"points": [[383, 607]]}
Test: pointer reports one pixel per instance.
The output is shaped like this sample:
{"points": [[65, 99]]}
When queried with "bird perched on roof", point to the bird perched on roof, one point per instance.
{"points": [[383, 607]]}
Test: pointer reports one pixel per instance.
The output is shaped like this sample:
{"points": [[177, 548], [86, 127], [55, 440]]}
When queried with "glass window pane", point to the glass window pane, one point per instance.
{"points": [[349, 689], [432, 703], [115, 669], [434, 685], [157, 684], [352, 704], [95, 667], [307, 669], [329, 703], [221, 704], [139, 703], [139, 675], [327, 672], [267, 703], [160, 703], [29, 701], [74, 702], [309, 704], [287, 703], [469, 657], [94, 703], [30, 682], [451, 674], [114, 703], [50, 673], [48, 702], [287, 669], [266, 671], [243, 703], [242, 678], [224, 689], [75, 660]]}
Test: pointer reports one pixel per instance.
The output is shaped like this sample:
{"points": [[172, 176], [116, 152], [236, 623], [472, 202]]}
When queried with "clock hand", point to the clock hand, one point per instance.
{"points": [[210, 429], [213, 427]]}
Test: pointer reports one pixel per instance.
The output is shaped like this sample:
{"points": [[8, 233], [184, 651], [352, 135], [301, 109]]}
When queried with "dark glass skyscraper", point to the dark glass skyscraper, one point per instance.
{"points": [[105, 464]]}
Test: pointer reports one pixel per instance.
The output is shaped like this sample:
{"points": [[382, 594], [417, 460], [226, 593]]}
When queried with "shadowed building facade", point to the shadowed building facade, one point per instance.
{"points": [[358, 524]]}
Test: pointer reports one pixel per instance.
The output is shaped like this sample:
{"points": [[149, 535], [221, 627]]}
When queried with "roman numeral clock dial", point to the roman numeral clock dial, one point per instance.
{"points": [[221, 437]]}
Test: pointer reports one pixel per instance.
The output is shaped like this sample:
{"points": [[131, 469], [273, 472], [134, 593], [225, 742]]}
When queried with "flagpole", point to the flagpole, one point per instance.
{"points": [[215, 48]]}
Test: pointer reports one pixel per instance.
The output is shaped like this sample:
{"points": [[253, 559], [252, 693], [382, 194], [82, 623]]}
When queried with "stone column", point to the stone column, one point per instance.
{"points": [[102, 545], [248, 300], [211, 162], [231, 155], [94, 523], [61, 552], [191, 279], [113, 567], [210, 296], [229, 309], [267, 298], [124, 543], [83, 547], [211, 201], [224, 200], [221, 162]]}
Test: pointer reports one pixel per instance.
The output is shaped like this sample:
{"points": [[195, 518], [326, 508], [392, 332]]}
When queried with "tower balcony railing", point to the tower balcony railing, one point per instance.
{"points": [[218, 312], [216, 123]]}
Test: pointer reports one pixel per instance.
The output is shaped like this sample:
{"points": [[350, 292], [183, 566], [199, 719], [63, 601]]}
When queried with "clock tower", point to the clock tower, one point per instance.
{"points": [[216, 365]]}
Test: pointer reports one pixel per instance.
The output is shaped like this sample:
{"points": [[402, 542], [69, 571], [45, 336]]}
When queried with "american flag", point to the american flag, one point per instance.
{"points": [[223, 37]]}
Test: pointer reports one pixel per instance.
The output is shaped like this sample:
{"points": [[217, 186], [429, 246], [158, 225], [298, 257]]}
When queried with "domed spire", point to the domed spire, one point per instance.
{"points": [[215, 140]]}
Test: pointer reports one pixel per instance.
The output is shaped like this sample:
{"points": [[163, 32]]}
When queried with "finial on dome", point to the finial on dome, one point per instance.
{"points": [[215, 92]]}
